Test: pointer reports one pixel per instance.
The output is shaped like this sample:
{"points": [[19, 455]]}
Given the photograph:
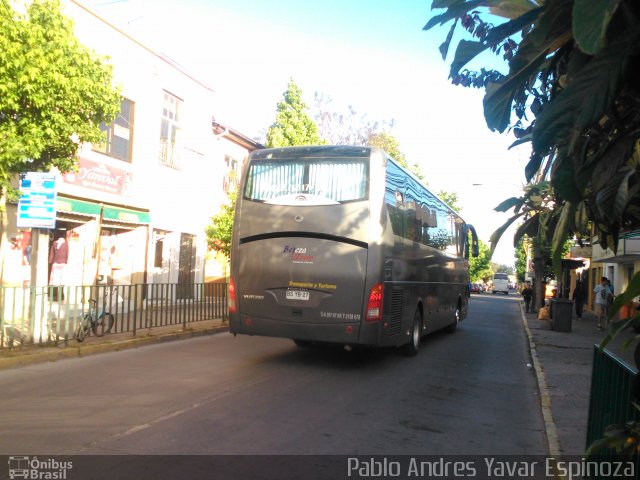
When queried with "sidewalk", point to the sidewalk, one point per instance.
{"points": [[32, 354], [563, 363]]}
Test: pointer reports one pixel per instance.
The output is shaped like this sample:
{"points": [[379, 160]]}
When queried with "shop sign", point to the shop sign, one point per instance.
{"points": [[109, 212], [99, 176], [581, 252], [599, 254], [37, 202]]}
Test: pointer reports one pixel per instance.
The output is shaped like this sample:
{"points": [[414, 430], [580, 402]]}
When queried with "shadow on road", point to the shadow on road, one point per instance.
{"points": [[338, 358]]}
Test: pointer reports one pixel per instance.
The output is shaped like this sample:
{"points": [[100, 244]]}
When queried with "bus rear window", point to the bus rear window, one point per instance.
{"points": [[334, 180]]}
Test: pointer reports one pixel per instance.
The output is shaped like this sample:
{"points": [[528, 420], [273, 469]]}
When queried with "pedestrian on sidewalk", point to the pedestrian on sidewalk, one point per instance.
{"points": [[579, 297], [527, 293], [602, 293]]}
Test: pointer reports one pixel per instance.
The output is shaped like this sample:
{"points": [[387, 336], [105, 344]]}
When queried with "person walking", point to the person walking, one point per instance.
{"points": [[527, 293], [579, 297], [602, 293]]}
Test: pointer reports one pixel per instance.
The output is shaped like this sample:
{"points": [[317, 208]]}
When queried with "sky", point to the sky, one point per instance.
{"points": [[369, 54]]}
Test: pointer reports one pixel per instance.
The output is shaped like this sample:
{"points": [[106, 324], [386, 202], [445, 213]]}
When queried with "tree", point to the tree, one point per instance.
{"points": [[520, 255], [389, 144], [572, 91], [480, 266], [54, 92], [501, 267], [451, 199], [292, 126], [219, 231], [345, 127], [351, 128]]}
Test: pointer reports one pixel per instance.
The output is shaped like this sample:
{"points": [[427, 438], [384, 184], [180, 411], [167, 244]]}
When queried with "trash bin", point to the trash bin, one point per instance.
{"points": [[561, 309]]}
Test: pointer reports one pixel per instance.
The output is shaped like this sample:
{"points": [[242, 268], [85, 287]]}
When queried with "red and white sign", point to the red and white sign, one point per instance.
{"points": [[99, 176]]}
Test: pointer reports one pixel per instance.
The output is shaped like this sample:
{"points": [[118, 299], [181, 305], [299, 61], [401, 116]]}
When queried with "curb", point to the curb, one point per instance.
{"points": [[553, 444], [81, 351]]}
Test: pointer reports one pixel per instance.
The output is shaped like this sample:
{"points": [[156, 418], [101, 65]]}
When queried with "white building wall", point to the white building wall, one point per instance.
{"points": [[180, 200]]}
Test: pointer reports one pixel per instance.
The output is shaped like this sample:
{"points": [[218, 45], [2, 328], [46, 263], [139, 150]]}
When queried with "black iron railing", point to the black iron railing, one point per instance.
{"points": [[50, 315], [611, 402]]}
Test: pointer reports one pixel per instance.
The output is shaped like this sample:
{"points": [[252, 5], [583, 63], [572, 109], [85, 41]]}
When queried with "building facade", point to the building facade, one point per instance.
{"points": [[619, 266], [136, 209]]}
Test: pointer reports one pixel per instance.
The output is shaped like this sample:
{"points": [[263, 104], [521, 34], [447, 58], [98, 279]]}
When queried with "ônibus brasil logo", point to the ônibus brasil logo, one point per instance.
{"points": [[38, 469]]}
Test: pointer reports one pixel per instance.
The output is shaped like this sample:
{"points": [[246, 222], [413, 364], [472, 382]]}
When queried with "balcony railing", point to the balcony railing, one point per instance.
{"points": [[169, 154]]}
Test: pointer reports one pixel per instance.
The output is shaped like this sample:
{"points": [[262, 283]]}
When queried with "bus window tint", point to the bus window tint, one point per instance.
{"points": [[417, 215], [339, 179]]}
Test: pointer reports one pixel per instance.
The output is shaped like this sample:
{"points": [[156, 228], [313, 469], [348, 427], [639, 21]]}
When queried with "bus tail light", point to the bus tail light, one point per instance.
{"points": [[233, 305], [374, 304]]}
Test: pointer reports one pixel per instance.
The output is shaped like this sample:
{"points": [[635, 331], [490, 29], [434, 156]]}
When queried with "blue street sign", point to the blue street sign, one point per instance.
{"points": [[37, 203]]}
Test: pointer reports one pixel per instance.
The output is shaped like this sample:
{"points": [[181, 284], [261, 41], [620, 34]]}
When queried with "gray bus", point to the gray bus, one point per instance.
{"points": [[340, 244]]}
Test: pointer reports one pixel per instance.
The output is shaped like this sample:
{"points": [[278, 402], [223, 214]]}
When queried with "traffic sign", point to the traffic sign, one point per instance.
{"points": [[37, 203]]}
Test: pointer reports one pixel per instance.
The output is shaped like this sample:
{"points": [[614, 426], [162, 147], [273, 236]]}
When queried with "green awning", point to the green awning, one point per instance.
{"points": [[110, 212]]}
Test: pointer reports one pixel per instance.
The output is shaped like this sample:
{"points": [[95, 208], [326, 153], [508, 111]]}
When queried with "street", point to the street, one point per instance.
{"points": [[467, 393]]}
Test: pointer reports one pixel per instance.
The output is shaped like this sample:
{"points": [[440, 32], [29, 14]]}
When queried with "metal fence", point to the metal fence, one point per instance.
{"points": [[611, 399], [51, 315]]}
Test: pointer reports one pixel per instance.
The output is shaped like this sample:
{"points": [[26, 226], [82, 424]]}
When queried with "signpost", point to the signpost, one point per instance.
{"points": [[37, 203]]}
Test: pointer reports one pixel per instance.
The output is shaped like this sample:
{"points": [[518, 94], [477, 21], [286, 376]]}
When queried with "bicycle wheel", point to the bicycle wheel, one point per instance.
{"points": [[103, 324], [83, 327]]}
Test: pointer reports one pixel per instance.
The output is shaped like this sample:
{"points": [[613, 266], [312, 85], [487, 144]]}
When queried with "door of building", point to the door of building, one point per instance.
{"points": [[186, 266]]}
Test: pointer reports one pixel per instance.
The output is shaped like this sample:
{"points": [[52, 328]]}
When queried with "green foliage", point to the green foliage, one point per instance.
{"points": [[54, 92], [480, 266], [623, 438], [219, 232], [541, 223], [293, 126], [451, 199], [501, 267], [520, 255], [389, 144], [572, 90]]}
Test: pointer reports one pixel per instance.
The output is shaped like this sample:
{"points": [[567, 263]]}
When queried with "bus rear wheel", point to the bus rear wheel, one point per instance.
{"points": [[411, 349], [452, 327]]}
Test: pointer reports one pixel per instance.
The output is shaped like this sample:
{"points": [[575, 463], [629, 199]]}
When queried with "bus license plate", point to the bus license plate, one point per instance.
{"points": [[297, 295]]}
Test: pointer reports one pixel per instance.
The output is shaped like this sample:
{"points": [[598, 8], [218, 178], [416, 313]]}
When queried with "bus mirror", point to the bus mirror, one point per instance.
{"points": [[475, 249]]}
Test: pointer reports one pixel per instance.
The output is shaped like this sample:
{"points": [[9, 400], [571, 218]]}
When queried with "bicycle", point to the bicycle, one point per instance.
{"points": [[98, 324]]}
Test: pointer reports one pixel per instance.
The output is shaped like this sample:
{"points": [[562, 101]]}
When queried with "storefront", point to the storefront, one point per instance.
{"points": [[106, 243]]}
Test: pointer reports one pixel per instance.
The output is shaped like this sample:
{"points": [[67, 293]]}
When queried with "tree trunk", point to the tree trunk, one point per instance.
{"points": [[538, 268]]}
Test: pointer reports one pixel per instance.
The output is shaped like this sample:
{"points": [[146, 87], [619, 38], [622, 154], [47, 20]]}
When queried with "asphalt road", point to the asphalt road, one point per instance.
{"points": [[467, 393]]}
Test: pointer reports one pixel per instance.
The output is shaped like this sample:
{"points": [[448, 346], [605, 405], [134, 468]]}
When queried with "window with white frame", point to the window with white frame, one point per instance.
{"points": [[118, 135], [170, 130]]}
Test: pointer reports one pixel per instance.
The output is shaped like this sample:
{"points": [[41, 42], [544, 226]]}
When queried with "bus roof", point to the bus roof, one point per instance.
{"points": [[312, 151]]}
